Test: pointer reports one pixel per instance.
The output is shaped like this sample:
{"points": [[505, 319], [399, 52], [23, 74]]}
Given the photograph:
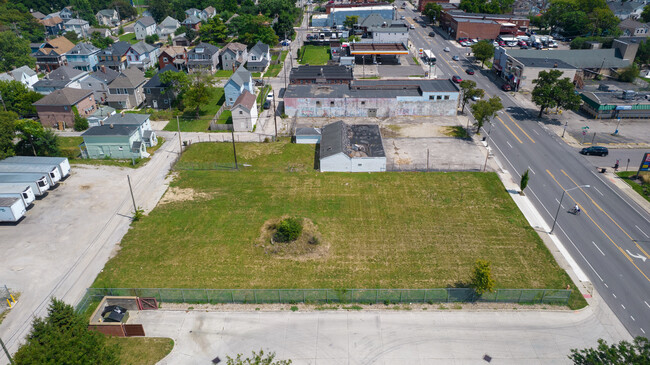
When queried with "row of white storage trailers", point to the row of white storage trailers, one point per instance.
{"points": [[24, 178]]}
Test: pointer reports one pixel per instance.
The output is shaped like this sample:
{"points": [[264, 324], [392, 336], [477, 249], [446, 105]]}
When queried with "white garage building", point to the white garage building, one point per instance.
{"points": [[351, 148]]}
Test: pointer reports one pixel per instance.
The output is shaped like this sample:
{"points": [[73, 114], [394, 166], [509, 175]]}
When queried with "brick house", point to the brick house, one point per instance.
{"points": [[56, 109], [173, 55]]}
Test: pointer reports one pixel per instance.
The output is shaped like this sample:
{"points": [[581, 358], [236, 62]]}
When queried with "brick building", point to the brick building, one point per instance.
{"points": [[482, 26], [56, 109]]}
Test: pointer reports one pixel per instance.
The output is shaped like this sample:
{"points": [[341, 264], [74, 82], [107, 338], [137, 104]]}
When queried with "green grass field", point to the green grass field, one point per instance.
{"points": [[223, 73], [141, 350], [625, 175], [190, 123], [314, 55], [129, 37], [381, 230]]}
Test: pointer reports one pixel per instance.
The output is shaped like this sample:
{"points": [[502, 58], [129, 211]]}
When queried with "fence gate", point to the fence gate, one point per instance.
{"points": [[147, 303]]}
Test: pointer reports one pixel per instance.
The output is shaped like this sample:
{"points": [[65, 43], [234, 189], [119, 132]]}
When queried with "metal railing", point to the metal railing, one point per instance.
{"points": [[326, 296]]}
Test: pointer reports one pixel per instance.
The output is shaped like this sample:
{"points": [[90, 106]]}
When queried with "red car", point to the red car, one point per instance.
{"points": [[456, 79], [506, 87], [469, 71]]}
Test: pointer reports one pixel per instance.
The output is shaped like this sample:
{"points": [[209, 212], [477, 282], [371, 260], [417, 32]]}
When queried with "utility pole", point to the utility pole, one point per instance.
{"points": [[11, 361], [275, 119], [180, 142], [234, 150], [135, 207]]}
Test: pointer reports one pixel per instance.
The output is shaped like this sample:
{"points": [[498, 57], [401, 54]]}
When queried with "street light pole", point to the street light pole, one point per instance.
{"points": [[560, 204]]}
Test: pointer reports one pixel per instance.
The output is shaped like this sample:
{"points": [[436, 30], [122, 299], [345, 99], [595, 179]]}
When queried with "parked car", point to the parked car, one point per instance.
{"points": [[267, 104], [495, 43], [455, 58], [469, 71], [595, 150], [402, 17], [506, 87], [457, 79], [524, 47], [269, 96], [476, 98], [446, 49], [412, 26], [432, 34]]}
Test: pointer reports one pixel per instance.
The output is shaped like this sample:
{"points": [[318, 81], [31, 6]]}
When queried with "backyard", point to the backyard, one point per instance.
{"points": [[314, 55], [382, 230], [190, 123], [129, 37]]}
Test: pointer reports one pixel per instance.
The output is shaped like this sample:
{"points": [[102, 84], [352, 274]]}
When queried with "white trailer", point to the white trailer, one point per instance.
{"points": [[50, 171], [62, 162], [38, 182], [11, 209], [23, 192]]}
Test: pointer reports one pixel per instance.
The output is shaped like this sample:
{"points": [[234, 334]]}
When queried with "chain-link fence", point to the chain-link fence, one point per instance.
{"points": [[324, 296], [5, 298]]}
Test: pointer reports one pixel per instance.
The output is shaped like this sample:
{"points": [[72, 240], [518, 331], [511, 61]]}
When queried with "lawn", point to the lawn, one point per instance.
{"points": [[273, 70], [141, 350], [314, 55], [381, 230], [129, 37], [223, 73], [190, 123], [69, 146], [625, 176]]}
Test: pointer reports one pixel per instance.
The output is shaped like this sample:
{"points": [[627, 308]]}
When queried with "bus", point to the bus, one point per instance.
{"points": [[428, 57]]}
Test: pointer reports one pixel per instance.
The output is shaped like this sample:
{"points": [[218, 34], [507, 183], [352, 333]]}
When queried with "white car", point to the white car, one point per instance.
{"points": [[495, 43], [412, 26], [476, 98], [446, 49], [269, 96]]}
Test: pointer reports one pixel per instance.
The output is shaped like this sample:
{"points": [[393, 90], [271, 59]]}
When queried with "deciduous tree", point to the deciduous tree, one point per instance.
{"points": [[469, 90], [14, 52], [100, 42], [199, 92], [523, 183], [214, 31], [623, 352], [350, 21], [485, 110], [35, 140], [18, 98], [483, 51], [629, 73], [7, 133], [550, 91], [482, 280], [433, 11]]}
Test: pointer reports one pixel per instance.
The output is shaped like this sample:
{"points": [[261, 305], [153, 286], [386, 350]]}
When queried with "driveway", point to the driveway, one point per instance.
{"points": [[382, 337]]}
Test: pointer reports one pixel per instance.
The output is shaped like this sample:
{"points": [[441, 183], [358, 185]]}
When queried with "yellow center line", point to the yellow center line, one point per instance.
{"points": [[522, 131], [608, 216], [596, 224], [513, 133]]}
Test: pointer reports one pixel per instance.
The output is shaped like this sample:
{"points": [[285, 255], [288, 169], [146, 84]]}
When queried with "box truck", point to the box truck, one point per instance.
{"points": [[11, 209], [62, 162], [38, 182], [50, 171], [23, 192]]}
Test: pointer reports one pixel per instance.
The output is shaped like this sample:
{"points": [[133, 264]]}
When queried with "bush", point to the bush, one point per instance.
{"points": [[288, 230], [80, 124]]}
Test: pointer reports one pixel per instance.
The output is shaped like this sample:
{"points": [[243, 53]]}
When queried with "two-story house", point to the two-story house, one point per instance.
{"points": [[192, 22], [52, 55], [182, 40], [157, 94], [173, 55], [108, 17], [167, 28], [78, 26], [239, 81], [144, 27], [233, 55], [203, 57], [122, 141], [634, 28], [62, 77], [53, 26], [98, 81], [142, 55], [103, 32], [24, 75], [193, 12], [259, 57], [244, 112], [56, 109], [84, 56], [208, 13], [66, 13], [626, 9], [127, 90], [114, 57]]}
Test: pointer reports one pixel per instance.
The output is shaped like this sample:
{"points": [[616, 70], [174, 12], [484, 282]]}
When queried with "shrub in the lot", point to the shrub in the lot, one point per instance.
{"points": [[288, 230]]}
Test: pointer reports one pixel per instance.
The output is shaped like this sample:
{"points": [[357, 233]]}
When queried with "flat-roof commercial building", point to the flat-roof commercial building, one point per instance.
{"points": [[336, 16], [320, 75], [373, 98], [614, 105], [482, 26]]}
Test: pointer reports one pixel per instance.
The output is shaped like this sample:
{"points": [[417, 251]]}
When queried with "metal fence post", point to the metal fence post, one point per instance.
{"points": [[425, 296], [160, 295], [303, 296], [376, 296], [255, 295], [183, 294], [232, 296], [400, 295], [496, 297], [207, 296], [280, 296], [521, 292], [543, 295], [327, 296], [448, 295]]}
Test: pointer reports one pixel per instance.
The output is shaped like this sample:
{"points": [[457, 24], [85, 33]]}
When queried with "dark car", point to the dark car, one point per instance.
{"points": [[595, 150], [267, 104], [506, 87], [524, 47], [432, 34], [469, 71], [457, 79]]}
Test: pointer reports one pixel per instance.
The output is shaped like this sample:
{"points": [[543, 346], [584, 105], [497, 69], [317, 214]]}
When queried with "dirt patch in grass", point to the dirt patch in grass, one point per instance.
{"points": [[390, 131], [176, 194], [309, 246]]}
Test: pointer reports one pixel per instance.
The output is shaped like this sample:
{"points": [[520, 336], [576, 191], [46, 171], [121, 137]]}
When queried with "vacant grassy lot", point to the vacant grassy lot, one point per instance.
{"points": [[190, 123], [383, 230], [129, 37], [141, 350], [314, 55]]}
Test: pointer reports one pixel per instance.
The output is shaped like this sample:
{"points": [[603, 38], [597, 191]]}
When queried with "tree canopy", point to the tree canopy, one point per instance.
{"points": [[485, 6], [637, 352], [433, 11], [552, 92], [14, 52], [468, 91], [213, 31], [483, 51], [7, 133], [485, 110], [18, 98], [580, 18]]}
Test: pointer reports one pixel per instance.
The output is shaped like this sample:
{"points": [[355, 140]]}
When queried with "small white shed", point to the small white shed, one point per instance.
{"points": [[352, 148], [308, 135]]}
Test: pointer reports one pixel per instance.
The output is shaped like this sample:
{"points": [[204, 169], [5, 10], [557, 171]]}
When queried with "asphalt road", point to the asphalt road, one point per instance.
{"points": [[610, 240]]}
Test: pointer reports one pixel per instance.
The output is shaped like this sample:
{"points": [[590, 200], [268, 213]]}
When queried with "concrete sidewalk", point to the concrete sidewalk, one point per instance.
{"points": [[383, 337]]}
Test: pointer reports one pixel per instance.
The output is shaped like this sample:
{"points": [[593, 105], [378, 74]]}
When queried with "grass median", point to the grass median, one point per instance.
{"points": [[381, 230]]}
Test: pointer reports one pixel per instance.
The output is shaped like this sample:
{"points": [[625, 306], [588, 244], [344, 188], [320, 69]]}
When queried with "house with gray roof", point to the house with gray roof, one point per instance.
{"points": [[58, 79], [23, 74], [626, 9], [108, 17], [144, 27], [38, 15], [142, 55], [203, 57], [157, 94], [208, 13], [382, 30], [167, 28], [53, 25], [334, 74], [84, 56], [141, 121], [98, 81], [193, 22], [351, 148], [240, 81], [78, 26], [259, 57], [114, 57], [56, 109], [99, 116], [233, 55], [634, 28], [127, 90], [307, 135], [193, 12], [118, 141]]}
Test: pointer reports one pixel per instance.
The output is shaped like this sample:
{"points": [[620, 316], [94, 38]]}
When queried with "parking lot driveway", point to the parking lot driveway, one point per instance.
{"points": [[442, 153], [397, 337]]}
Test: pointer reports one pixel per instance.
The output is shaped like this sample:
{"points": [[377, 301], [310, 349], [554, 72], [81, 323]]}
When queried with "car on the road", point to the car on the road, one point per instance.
{"points": [[469, 71], [446, 49], [267, 104], [455, 58], [432, 34], [457, 79], [595, 150], [524, 47], [506, 87], [402, 17], [269, 96], [286, 42], [476, 98], [412, 26], [495, 44]]}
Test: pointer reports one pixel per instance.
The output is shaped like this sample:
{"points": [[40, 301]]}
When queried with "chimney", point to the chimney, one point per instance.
{"points": [[111, 126]]}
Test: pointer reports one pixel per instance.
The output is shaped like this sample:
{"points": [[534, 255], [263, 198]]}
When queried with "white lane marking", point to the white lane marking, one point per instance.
{"points": [[637, 227], [509, 144], [614, 295], [646, 303], [576, 268], [531, 170], [623, 306], [639, 256], [633, 318], [642, 330], [606, 286], [598, 191], [619, 195], [534, 131], [598, 248]]}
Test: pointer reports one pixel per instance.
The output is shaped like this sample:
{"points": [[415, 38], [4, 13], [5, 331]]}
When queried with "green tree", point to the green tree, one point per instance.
{"points": [[256, 359], [63, 338], [623, 352], [288, 230], [214, 31], [80, 123], [629, 73], [482, 280], [7, 133], [151, 39], [523, 182], [433, 11], [18, 98], [604, 22], [15, 17], [100, 42], [565, 95], [485, 110], [645, 15], [160, 9], [350, 21], [469, 90], [199, 92], [14, 52], [72, 37], [552, 92], [483, 51], [124, 8], [35, 140], [120, 30]]}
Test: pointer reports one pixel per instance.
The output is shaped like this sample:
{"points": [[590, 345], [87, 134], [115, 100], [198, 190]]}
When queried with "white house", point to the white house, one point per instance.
{"points": [[109, 17], [141, 121], [240, 81], [79, 26], [167, 27], [24, 75], [144, 27], [244, 112], [352, 148], [142, 55], [259, 57]]}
